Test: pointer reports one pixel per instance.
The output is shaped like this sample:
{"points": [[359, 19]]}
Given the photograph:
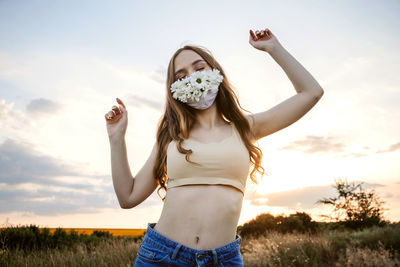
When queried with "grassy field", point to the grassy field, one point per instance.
{"points": [[361, 248], [377, 246]]}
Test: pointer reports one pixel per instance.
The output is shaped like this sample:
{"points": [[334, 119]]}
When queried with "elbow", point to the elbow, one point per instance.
{"points": [[123, 206], [317, 95], [126, 205], [320, 93]]}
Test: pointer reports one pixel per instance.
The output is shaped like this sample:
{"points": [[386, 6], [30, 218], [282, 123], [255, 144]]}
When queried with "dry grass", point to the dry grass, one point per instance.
{"points": [[113, 252], [276, 249], [272, 249], [367, 257]]}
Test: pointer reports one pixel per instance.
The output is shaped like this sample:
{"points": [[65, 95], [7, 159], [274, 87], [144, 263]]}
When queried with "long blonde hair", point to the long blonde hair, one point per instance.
{"points": [[179, 118]]}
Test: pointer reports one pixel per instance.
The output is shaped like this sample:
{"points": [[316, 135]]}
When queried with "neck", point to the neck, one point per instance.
{"points": [[208, 118]]}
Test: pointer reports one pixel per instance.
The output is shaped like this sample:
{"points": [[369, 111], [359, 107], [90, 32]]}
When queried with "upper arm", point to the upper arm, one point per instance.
{"points": [[144, 182], [282, 115]]}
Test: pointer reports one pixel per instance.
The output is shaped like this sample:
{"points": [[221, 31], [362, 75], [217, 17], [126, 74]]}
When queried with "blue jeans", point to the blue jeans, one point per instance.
{"points": [[158, 250]]}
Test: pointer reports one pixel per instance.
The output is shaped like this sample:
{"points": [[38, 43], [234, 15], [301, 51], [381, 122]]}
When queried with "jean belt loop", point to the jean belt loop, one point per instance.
{"points": [[215, 257], [176, 251]]}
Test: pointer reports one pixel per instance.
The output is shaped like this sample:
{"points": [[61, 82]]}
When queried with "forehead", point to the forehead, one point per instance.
{"points": [[185, 58]]}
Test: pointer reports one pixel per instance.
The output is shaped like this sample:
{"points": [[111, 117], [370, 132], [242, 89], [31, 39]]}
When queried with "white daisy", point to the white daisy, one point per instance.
{"points": [[197, 85]]}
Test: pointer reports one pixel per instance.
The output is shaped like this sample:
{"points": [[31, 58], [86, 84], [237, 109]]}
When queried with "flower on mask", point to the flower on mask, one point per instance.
{"points": [[196, 85]]}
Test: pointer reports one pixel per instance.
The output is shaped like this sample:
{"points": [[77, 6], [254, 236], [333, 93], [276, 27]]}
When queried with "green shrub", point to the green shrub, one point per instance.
{"points": [[298, 222], [28, 238]]}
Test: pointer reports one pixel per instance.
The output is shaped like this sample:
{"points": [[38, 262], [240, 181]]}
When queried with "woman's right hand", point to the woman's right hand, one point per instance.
{"points": [[117, 121]]}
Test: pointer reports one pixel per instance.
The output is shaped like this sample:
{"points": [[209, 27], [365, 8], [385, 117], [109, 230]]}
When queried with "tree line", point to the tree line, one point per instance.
{"points": [[354, 208]]}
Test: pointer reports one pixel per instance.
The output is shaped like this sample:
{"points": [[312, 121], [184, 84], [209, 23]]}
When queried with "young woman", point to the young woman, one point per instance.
{"points": [[202, 154]]}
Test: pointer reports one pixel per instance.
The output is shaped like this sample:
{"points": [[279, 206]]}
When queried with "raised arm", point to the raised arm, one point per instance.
{"points": [[130, 191], [287, 112]]}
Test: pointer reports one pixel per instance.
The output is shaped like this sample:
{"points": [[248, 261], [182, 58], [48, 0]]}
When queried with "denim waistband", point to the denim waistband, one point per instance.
{"points": [[164, 243]]}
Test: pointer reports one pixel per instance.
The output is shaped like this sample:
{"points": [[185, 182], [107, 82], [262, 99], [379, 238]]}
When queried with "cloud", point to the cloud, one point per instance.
{"points": [[20, 163], [316, 144], [159, 75], [5, 109], [354, 155], [11, 118], [139, 101], [391, 148], [304, 198], [328, 145], [40, 184], [35, 183], [43, 106], [49, 200]]}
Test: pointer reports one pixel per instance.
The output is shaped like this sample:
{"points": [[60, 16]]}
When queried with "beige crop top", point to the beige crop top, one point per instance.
{"points": [[223, 162]]}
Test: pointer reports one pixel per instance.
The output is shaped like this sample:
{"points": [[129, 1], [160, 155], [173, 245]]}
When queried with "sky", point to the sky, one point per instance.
{"points": [[63, 63]]}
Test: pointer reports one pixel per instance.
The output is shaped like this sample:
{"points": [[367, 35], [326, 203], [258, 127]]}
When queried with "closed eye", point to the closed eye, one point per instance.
{"points": [[185, 75]]}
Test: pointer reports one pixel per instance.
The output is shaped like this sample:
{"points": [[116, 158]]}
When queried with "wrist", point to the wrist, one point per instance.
{"points": [[116, 139], [277, 48]]}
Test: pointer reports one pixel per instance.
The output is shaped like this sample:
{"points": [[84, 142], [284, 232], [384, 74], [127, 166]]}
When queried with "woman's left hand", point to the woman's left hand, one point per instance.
{"points": [[263, 40]]}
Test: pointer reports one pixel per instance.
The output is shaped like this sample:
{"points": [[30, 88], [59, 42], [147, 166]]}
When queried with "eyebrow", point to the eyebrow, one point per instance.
{"points": [[193, 63]]}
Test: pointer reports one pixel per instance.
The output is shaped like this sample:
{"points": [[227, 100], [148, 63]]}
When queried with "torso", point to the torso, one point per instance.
{"points": [[201, 216], [200, 222]]}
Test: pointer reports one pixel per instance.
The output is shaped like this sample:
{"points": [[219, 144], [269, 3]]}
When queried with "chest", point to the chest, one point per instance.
{"points": [[228, 157]]}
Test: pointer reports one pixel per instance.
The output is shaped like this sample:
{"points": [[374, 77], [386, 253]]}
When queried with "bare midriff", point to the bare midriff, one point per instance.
{"points": [[201, 216]]}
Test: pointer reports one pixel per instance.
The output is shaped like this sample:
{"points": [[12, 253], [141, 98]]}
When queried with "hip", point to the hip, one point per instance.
{"points": [[157, 249]]}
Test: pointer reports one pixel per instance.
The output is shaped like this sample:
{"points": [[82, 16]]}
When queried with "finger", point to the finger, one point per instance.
{"points": [[116, 110], [109, 115], [114, 113], [121, 103], [253, 36], [251, 39]]}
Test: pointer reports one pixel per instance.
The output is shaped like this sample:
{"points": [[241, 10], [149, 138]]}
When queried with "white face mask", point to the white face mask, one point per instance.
{"points": [[199, 90], [205, 102]]}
